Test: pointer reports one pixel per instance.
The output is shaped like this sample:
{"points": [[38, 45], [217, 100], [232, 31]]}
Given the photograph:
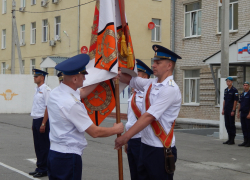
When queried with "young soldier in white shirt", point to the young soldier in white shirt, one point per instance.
{"points": [[161, 106], [132, 148], [40, 125], [69, 121]]}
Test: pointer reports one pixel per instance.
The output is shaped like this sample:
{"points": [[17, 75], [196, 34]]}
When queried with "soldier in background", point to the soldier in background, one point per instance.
{"points": [[40, 124], [244, 114], [60, 77], [229, 106], [132, 148]]}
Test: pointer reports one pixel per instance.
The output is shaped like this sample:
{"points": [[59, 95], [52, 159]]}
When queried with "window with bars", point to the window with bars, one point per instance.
{"points": [[23, 3], [4, 6], [45, 30], [33, 2], [23, 65], [57, 27], [3, 68], [32, 65], [4, 39], [193, 19], [233, 16], [22, 35], [156, 32], [33, 33], [192, 86]]}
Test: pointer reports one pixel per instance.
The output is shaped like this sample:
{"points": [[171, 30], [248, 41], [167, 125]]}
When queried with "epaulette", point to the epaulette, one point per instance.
{"points": [[76, 100], [171, 83], [48, 88]]}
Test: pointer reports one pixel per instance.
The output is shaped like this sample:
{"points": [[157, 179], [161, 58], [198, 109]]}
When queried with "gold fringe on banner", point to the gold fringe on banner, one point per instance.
{"points": [[130, 58], [124, 49]]}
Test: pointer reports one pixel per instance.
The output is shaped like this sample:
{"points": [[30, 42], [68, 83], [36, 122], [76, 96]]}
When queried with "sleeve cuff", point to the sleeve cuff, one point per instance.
{"points": [[153, 114]]}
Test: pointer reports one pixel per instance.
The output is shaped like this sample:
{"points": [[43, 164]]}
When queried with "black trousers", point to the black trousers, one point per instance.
{"points": [[152, 163], [41, 144], [230, 124], [64, 166], [133, 153], [245, 126]]}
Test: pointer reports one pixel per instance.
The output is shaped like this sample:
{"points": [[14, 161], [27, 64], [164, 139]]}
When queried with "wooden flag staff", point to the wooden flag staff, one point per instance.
{"points": [[118, 120]]}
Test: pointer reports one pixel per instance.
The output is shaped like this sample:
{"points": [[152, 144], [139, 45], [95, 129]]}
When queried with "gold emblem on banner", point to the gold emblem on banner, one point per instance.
{"points": [[8, 95], [106, 101], [106, 55]]}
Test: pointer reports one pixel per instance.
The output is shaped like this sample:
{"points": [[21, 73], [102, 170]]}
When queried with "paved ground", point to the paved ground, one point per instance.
{"points": [[199, 156]]}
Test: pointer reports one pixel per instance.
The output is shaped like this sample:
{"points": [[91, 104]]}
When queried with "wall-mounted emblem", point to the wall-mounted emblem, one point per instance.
{"points": [[8, 95]]}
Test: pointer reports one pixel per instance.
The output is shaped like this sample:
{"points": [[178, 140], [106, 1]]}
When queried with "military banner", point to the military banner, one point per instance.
{"points": [[105, 47]]}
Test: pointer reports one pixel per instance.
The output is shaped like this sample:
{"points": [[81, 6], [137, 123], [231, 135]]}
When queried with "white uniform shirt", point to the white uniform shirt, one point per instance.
{"points": [[40, 101], [165, 99], [131, 116], [68, 120]]}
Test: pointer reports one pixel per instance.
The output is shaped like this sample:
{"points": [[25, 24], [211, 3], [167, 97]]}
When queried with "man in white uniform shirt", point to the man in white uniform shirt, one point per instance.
{"points": [[69, 121], [161, 106], [40, 124], [132, 148]]}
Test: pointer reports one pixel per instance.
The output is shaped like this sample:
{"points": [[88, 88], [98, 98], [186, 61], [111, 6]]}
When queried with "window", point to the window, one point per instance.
{"points": [[33, 33], [57, 27], [45, 30], [3, 68], [192, 86], [33, 2], [156, 32], [233, 16], [4, 6], [22, 36], [3, 38], [32, 65], [23, 3], [193, 19], [23, 64]]}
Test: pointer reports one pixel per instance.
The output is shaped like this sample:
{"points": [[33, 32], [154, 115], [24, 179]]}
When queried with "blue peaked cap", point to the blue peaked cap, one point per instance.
{"points": [[74, 65], [38, 72], [162, 53], [141, 66]]}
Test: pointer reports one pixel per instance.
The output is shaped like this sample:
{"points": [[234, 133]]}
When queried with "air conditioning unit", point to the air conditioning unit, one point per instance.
{"points": [[55, 1], [44, 3], [21, 9], [52, 43], [22, 43]]}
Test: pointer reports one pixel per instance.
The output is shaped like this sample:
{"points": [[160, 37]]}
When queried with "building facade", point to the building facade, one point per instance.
{"points": [[198, 37], [50, 28]]}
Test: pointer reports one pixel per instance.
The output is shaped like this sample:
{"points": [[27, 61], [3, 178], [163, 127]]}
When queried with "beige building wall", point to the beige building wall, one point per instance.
{"points": [[139, 14]]}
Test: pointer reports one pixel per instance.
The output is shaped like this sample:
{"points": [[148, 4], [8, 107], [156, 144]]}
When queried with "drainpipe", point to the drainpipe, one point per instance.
{"points": [[173, 30], [173, 26], [78, 33]]}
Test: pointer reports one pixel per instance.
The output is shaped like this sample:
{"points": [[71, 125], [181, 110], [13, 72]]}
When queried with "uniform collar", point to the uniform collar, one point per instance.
{"points": [[68, 89], [39, 88], [164, 83], [138, 91]]}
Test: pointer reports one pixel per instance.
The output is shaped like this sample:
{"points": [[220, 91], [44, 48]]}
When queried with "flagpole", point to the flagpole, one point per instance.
{"points": [[118, 120]]}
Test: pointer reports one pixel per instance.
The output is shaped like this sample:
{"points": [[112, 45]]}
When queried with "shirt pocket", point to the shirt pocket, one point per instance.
{"points": [[40, 97]]}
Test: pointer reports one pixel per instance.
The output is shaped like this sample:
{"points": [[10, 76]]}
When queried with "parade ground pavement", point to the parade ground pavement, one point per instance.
{"points": [[200, 157]]}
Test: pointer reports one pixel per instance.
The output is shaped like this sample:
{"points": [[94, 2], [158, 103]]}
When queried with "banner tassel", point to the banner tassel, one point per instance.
{"points": [[130, 58], [124, 51]]}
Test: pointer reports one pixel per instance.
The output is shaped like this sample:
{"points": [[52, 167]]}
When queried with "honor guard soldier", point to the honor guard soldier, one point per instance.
{"points": [[40, 124], [69, 121], [134, 112], [160, 108], [244, 114], [60, 77], [229, 106]]}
